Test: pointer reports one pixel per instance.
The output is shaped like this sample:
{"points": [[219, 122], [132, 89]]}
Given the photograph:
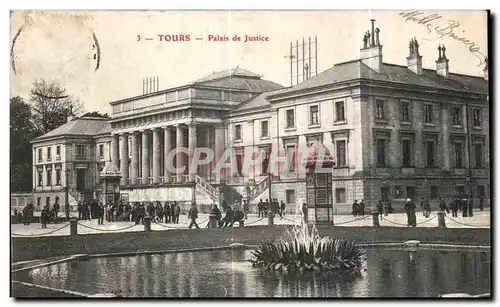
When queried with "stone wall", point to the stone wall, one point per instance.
{"points": [[28, 248]]}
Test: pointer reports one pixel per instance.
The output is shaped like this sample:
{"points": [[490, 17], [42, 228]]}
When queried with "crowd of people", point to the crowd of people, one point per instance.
{"points": [[169, 212]]}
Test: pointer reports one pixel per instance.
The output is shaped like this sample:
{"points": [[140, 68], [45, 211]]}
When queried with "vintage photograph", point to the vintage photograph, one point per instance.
{"points": [[250, 154]]}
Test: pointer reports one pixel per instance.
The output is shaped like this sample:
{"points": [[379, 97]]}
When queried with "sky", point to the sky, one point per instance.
{"points": [[58, 45]]}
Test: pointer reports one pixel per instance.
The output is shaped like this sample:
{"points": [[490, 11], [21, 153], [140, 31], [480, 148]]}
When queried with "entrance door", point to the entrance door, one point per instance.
{"points": [[384, 194], [80, 179]]}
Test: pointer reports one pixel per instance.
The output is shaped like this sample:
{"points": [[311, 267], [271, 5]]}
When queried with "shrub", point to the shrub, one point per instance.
{"points": [[304, 250]]}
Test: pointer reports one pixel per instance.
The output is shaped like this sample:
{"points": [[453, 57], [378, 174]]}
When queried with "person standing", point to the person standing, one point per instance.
{"points": [[66, 209], [283, 208], [260, 206], [481, 203], [426, 207], [463, 206], [246, 208], [380, 208], [454, 207], [217, 213], [355, 208], [193, 215], [44, 216], [442, 205], [410, 213], [177, 213], [88, 210], [362, 207], [166, 212], [80, 210], [266, 207], [470, 207], [100, 216], [56, 209]]}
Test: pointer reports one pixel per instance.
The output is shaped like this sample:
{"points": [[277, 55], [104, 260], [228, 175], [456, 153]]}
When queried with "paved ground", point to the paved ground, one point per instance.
{"points": [[481, 219]]}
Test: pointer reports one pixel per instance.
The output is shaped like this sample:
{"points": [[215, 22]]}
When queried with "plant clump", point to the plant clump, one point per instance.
{"points": [[303, 250]]}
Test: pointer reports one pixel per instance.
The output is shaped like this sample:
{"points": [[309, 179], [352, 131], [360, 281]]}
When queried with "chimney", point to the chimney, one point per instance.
{"points": [[442, 67], [485, 69], [371, 53], [70, 115], [414, 60]]}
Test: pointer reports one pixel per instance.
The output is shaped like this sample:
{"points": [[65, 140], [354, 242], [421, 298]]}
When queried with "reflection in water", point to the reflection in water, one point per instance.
{"points": [[390, 273]]}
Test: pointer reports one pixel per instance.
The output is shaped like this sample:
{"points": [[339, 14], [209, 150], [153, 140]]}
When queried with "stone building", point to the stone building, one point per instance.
{"points": [[394, 131]]}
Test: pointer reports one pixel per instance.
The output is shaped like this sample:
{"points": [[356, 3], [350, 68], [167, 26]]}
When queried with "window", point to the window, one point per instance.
{"points": [[461, 190], [380, 152], [380, 109], [480, 191], [290, 196], [58, 152], [47, 200], [410, 192], [340, 196], [80, 151], [314, 115], [405, 111], [398, 191], [40, 178], [407, 152], [237, 132], [384, 193], [58, 176], [341, 153], [339, 111], [476, 117], [428, 113], [38, 201], [49, 176], [434, 192], [430, 153], [458, 152], [478, 154], [101, 151], [290, 158], [457, 117], [49, 154], [290, 118], [264, 129], [39, 155]]}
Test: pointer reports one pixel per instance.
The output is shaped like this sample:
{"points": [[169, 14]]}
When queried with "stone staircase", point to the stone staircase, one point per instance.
{"points": [[208, 188], [260, 188]]}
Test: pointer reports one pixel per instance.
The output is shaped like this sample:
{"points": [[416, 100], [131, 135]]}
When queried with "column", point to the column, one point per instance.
{"points": [[124, 157], [179, 156], [192, 145], [115, 150], [220, 143], [156, 155], [167, 148], [145, 157], [135, 158], [445, 122]]}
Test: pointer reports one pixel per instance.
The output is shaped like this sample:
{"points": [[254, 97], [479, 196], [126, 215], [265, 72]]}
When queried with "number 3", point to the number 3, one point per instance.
{"points": [[138, 37]]}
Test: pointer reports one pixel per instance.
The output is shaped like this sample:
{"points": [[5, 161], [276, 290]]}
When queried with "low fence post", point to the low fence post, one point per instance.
{"points": [[147, 223], [212, 222], [270, 218], [375, 218], [73, 226], [441, 221]]}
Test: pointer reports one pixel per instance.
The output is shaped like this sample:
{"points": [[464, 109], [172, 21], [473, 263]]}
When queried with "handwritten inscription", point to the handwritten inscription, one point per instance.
{"points": [[211, 38], [449, 28]]}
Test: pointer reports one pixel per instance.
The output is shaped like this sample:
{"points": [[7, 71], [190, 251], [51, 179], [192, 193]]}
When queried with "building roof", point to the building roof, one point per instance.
{"points": [[83, 126], [238, 79], [258, 101], [353, 70]]}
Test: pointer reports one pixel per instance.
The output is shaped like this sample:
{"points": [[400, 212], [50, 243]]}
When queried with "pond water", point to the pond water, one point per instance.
{"points": [[390, 273]]}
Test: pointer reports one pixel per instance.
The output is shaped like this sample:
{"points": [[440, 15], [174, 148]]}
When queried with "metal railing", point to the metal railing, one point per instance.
{"points": [[261, 187], [213, 192]]}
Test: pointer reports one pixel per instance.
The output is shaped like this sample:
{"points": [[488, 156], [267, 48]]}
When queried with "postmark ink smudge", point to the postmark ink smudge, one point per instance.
{"points": [[98, 57], [12, 58]]}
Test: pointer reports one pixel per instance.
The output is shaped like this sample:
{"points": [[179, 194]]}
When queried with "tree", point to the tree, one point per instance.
{"points": [[21, 132], [50, 105]]}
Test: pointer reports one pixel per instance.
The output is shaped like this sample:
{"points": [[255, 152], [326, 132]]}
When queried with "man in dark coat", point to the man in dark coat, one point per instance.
{"points": [[100, 216], [463, 206], [193, 215], [260, 206], [227, 219], [442, 205], [355, 208], [167, 213], [426, 207], [266, 207], [66, 209], [218, 215], [177, 213], [362, 208], [80, 210], [45, 216], [380, 208], [454, 205], [283, 208], [410, 213], [470, 207]]}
